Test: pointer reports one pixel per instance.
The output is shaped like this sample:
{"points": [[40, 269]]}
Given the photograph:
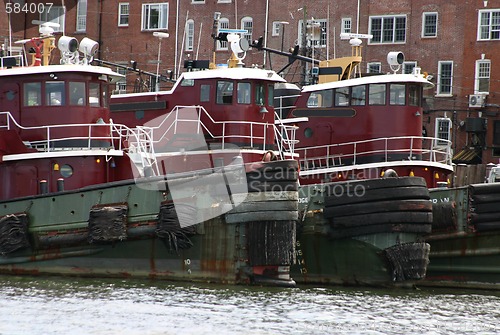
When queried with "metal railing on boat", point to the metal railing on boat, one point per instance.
{"points": [[141, 141], [386, 149]]}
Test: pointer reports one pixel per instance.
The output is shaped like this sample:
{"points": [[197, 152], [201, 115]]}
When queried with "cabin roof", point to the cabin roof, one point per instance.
{"points": [[34, 70], [235, 74], [377, 79]]}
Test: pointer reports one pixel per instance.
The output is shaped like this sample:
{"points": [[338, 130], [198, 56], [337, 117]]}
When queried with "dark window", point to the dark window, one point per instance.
{"points": [[342, 96], [270, 95], [358, 95], [225, 92], [77, 95], [259, 95], [414, 95], [496, 132], [397, 94]]}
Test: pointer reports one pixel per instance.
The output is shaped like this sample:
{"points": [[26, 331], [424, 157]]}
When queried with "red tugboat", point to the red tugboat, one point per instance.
{"points": [[191, 193], [365, 170]]}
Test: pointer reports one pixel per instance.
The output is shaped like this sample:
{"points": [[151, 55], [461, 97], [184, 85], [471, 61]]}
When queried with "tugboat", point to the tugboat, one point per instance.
{"points": [[198, 192], [465, 238], [365, 170]]}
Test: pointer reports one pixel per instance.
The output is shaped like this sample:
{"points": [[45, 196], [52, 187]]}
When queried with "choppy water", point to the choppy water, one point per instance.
{"points": [[84, 306]]}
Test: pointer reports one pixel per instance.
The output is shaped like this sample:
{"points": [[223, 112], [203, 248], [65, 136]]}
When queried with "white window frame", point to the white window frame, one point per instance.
{"points": [[482, 73], [407, 64], [374, 64], [81, 15], [276, 28], [48, 16], [346, 27], [189, 35], [425, 15], [223, 1], [394, 32], [162, 16], [198, 2], [442, 130], [440, 78], [223, 24], [485, 27], [247, 24], [122, 81], [121, 7]]}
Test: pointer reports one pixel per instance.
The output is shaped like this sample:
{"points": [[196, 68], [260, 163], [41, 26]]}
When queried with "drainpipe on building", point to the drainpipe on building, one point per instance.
{"points": [[176, 72], [265, 34]]}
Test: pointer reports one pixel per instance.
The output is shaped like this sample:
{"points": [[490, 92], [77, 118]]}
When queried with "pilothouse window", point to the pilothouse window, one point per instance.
{"points": [[376, 94], [94, 95], [259, 95], [322, 98], [32, 94], [398, 94], [225, 92], [244, 91], [77, 93], [54, 93]]}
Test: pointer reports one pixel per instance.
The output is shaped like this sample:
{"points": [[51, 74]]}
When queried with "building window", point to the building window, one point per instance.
{"points": [[346, 25], [189, 35], [496, 132], [247, 24], [374, 67], [121, 84], [408, 67], [223, 1], [388, 29], [223, 24], [198, 1], [443, 130], [482, 77], [429, 24], [323, 35], [123, 13], [81, 15], [154, 16], [489, 25], [276, 28], [54, 14], [445, 77]]}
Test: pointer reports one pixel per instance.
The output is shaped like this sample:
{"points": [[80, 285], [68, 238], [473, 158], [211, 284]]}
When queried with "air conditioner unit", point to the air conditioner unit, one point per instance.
{"points": [[476, 100]]}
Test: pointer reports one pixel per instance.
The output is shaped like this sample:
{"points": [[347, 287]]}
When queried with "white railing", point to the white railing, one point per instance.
{"points": [[409, 148], [140, 141], [19, 60]]}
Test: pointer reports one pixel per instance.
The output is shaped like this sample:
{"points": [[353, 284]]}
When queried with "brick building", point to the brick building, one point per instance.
{"points": [[453, 42]]}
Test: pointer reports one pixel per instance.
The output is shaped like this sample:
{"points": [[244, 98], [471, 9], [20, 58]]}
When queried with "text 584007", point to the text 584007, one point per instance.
{"points": [[27, 7]]}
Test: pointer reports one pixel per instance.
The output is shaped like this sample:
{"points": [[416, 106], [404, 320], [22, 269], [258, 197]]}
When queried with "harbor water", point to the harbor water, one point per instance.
{"points": [[51, 305]]}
